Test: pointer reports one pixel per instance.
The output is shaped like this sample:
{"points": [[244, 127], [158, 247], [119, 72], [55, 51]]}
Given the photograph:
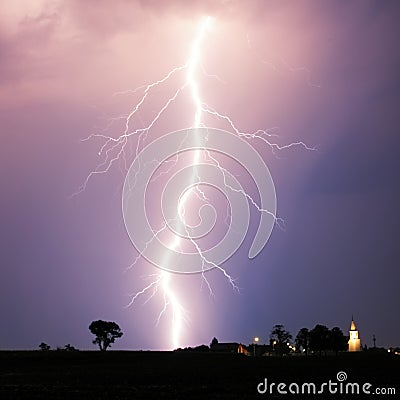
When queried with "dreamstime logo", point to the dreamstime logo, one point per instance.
{"points": [[211, 173], [341, 376], [330, 387]]}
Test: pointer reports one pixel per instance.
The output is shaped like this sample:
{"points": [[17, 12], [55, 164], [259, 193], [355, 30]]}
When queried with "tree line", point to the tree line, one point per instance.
{"points": [[320, 339], [105, 332]]}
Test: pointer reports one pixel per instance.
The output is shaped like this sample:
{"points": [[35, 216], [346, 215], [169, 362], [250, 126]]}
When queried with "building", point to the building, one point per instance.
{"points": [[229, 348], [264, 350], [354, 341]]}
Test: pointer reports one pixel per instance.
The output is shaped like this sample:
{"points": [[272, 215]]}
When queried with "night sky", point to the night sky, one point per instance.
{"points": [[322, 72]]}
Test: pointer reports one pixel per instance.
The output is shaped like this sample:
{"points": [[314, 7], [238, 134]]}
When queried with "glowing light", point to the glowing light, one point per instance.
{"points": [[193, 63], [164, 280], [191, 81], [177, 309], [354, 342], [113, 149]]}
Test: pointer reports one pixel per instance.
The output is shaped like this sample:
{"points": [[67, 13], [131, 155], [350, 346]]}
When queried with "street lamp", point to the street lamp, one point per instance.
{"points": [[256, 340]]}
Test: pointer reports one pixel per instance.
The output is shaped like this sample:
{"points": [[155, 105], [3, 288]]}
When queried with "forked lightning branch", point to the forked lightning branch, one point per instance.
{"points": [[202, 142]]}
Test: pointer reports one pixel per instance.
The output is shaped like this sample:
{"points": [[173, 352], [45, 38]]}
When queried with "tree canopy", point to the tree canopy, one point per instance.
{"points": [[321, 339], [303, 339], [282, 337], [338, 342], [106, 332], [44, 346]]}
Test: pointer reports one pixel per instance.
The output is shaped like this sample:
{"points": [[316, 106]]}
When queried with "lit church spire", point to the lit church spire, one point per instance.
{"points": [[354, 341]]}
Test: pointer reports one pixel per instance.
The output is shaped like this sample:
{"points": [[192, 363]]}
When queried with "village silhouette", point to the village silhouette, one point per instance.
{"points": [[318, 341], [303, 363]]}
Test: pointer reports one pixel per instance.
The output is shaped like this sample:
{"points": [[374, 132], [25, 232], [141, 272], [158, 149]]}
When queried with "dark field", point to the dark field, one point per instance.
{"points": [[186, 375]]}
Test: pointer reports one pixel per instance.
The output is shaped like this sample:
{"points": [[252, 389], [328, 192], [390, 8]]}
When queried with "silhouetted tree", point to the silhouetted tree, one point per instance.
{"points": [[202, 348], [338, 342], [320, 338], [214, 341], [282, 337], [303, 339], [106, 332], [69, 347], [44, 346]]}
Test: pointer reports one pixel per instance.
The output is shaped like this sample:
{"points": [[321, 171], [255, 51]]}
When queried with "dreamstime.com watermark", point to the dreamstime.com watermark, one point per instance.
{"points": [[340, 386]]}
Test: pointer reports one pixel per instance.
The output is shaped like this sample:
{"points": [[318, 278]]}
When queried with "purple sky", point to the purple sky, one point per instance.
{"points": [[325, 72]]}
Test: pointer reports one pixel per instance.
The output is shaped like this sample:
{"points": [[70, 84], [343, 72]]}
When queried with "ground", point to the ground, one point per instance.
{"points": [[181, 375]]}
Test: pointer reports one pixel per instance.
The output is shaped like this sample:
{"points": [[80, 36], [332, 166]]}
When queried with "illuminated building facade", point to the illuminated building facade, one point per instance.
{"points": [[354, 341]]}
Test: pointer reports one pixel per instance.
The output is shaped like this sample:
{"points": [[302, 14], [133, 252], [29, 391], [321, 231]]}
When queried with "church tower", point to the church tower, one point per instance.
{"points": [[354, 341]]}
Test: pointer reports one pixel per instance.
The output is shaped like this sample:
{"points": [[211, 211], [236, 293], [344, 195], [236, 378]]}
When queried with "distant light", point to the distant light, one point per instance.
{"points": [[388, 350], [256, 339]]}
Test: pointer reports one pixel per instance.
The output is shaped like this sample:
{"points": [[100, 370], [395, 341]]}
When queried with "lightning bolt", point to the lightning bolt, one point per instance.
{"points": [[191, 82], [163, 280], [115, 149]]}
